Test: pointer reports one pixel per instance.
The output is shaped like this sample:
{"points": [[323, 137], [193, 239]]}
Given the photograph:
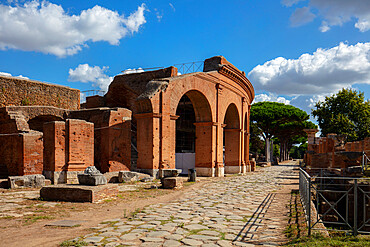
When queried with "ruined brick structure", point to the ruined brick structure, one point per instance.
{"points": [[22, 92], [220, 99], [147, 121], [333, 152]]}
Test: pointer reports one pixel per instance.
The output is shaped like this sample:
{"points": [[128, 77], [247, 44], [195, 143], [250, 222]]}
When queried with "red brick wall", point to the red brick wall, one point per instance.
{"points": [[68, 146], [112, 137], [21, 154], [18, 92]]}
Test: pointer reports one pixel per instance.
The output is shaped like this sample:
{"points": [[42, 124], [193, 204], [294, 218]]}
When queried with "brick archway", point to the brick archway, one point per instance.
{"points": [[153, 97], [232, 140], [198, 142]]}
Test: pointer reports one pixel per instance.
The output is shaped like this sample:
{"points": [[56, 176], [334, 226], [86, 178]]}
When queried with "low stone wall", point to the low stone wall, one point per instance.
{"points": [[21, 92]]}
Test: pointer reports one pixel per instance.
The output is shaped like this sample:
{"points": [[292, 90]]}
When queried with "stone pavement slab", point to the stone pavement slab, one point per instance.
{"points": [[237, 211]]}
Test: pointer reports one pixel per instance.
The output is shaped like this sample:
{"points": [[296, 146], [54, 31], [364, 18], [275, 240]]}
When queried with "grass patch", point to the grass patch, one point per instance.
{"points": [[74, 243], [193, 232], [320, 241], [34, 218], [7, 217]]}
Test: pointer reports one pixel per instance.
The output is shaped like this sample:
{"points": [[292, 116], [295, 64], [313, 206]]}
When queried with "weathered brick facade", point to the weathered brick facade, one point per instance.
{"points": [[21, 154], [333, 152], [59, 140], [221, 97], [21, 92], [112, 137], [68, 146]]}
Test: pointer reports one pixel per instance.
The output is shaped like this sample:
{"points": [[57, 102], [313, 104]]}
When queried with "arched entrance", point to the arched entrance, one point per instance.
{"points": [[185, 135], [231, 140], [193, 146]]}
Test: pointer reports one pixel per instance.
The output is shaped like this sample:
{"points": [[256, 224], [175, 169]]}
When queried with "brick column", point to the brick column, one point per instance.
{"points": [[148, 142], [205, 148], [232, 151]]}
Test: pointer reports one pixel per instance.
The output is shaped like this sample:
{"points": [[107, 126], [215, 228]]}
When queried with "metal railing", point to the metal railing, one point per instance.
{"points": [[92, 92], [340, 203], [192, 67], [365, 162]]}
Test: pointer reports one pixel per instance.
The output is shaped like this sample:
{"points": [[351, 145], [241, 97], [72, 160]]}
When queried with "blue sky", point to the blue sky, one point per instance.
{"points": [[294, 51]]}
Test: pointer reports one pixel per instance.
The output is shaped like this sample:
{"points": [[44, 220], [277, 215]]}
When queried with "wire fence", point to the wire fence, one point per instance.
{"points": [[340, 203]]}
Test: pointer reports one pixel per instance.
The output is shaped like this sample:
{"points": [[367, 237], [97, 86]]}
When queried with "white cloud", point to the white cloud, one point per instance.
{"points": [[132, 71], [270, 97], [289, 3], [135, 20], [158, 14], [301, 16], [172, 7], [324, 71], [336, 13], [86, 73], [10, 75], [45, 27]]}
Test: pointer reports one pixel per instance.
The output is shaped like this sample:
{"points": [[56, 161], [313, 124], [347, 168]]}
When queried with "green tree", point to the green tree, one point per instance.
{"points": [[278, 120], [346, 112]]}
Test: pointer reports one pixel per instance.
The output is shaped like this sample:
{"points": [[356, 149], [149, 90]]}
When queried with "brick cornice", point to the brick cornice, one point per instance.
{"points": [[234, 74]]}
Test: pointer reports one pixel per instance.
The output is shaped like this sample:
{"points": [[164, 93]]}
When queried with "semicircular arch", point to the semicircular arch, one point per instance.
{"points": [[201, 105]]}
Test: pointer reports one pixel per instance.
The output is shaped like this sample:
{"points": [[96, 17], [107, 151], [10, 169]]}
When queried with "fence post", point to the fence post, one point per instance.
{"points": [[355, 230], [309, 206]]}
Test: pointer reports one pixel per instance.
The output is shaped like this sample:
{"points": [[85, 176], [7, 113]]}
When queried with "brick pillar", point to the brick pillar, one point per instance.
{"points": [[148, 142], [232, 151], [54, 146], [80, 144], [246, 141], [205, 148], [68, 149]]}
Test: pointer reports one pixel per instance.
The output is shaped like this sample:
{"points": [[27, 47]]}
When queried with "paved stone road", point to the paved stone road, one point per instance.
{"points": [[238, 211]]}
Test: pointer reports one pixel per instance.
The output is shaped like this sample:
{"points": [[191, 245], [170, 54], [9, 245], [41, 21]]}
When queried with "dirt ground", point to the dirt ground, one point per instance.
{"points": [[31, 230]]}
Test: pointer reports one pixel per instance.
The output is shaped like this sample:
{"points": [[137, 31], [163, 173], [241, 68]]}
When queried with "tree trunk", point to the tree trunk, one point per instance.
{"points": [[268, 149]]}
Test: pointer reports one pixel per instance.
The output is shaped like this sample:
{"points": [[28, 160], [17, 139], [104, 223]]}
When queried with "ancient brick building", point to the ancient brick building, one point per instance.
{"points": [[147, 122], [203, 114], [333, 152]]}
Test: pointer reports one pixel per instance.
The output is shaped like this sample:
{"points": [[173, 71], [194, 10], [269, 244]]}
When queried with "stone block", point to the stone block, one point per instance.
{"points": [[172, 183], [147, 179], [91, 179], [128, 176], [26, 181], [62, 177], [78, 193], [112, 177], [165, 173]]}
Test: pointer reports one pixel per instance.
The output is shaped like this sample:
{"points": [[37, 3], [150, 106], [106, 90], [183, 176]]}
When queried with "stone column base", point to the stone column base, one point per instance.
{"points": [[62, 177], [233, 169], [205, 171], [220, 172]]}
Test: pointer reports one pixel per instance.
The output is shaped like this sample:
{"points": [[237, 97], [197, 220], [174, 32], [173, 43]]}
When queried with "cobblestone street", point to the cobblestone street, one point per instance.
{"points": [[239, 211]]}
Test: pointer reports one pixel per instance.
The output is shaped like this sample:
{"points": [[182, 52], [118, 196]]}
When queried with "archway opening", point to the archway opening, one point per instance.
{"points": [[194, 133], [185, 135], [37, 123], [231, 140]]}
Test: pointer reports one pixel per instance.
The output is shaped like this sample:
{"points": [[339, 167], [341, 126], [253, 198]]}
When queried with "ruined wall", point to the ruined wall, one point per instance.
{"points": [[68, 146], [21, 154], [333, 152], [20, 92], [112, 136]]}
